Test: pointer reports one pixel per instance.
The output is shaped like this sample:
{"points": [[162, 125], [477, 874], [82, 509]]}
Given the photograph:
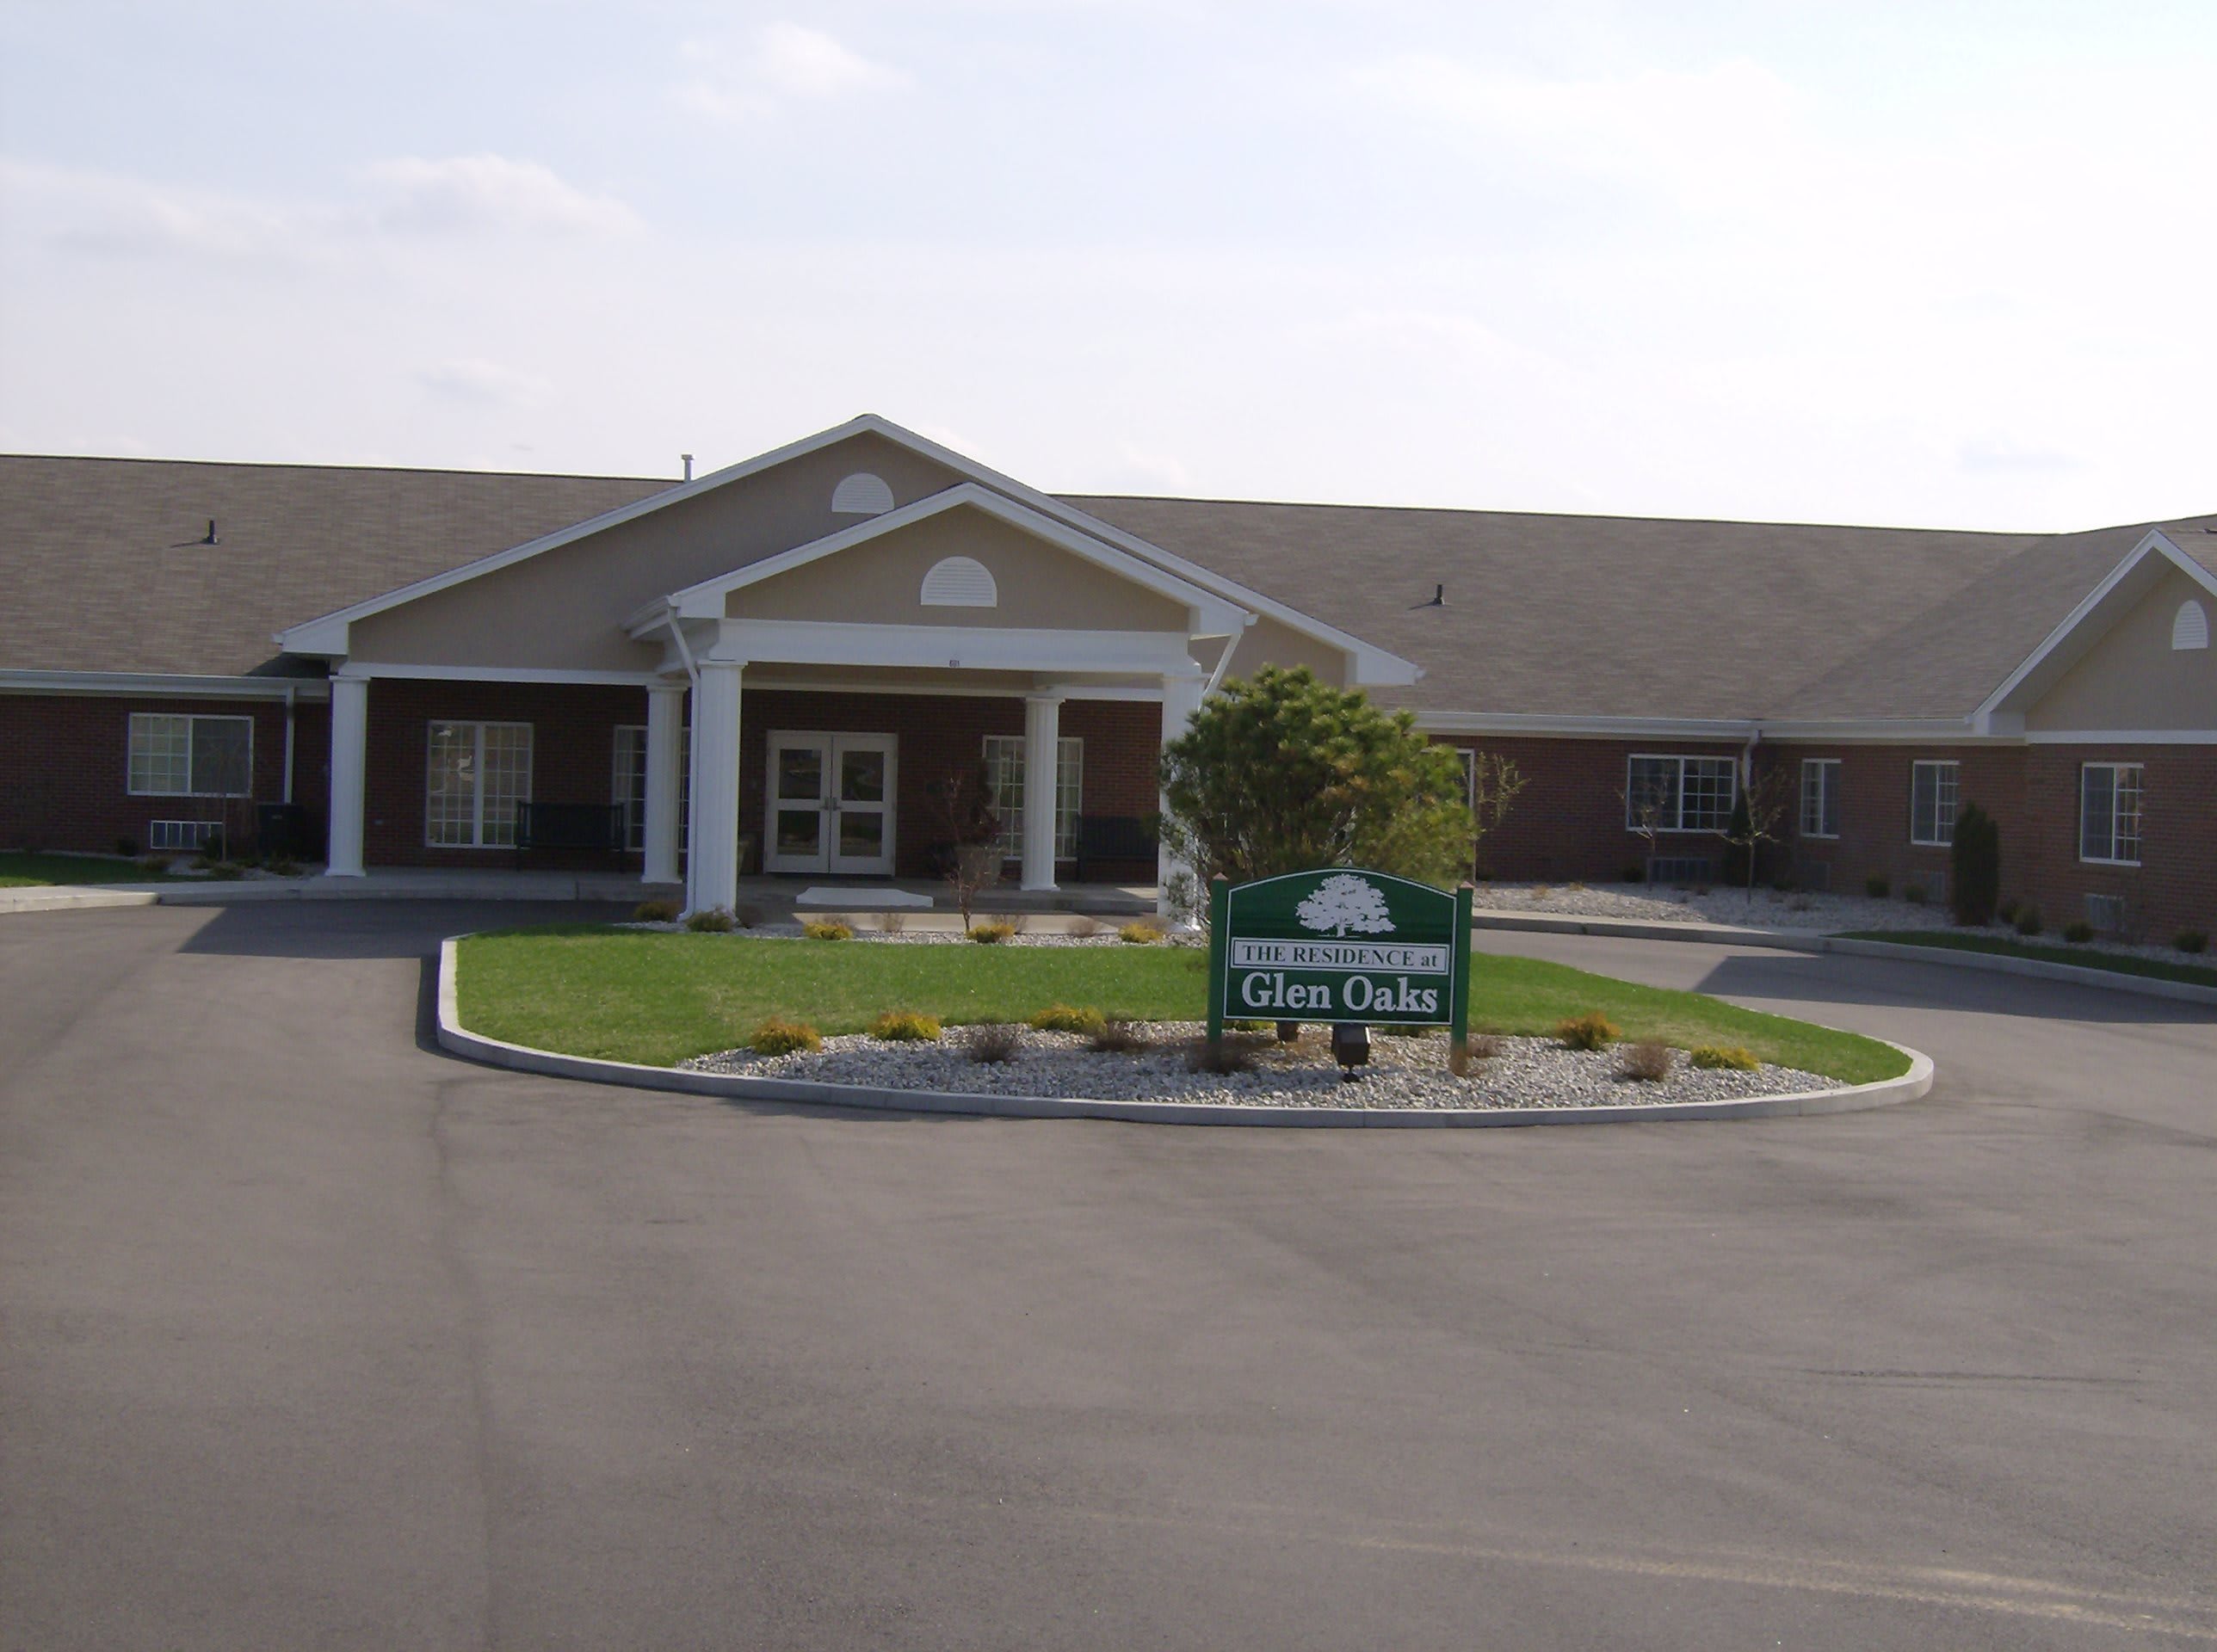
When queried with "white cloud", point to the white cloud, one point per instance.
{"points": [[784, 63], [480, 383], [472, 194], [111, 216]]}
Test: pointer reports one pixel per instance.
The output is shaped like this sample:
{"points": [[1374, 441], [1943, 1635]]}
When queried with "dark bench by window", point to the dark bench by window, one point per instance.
{"points": [[590, 827], [1113, 839]]}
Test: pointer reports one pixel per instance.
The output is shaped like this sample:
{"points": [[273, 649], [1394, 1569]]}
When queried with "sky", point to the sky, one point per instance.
{"points": [[1940, 264]]}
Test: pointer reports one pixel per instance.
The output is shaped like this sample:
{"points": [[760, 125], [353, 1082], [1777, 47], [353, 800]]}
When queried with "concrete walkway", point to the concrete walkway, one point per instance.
{"points": [[310, 1335]]}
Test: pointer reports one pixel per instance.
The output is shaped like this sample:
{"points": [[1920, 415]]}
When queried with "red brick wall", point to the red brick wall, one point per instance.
{"points": [[2175, 885], [1875, 786], [64, 778]]}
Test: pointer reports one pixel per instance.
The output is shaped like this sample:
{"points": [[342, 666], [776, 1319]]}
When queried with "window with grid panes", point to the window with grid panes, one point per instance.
{"points": [[1005, 781], [1820, 797], [1686, 794], [1933, 789], [175, 755], [2109, 813], [476, 772]]}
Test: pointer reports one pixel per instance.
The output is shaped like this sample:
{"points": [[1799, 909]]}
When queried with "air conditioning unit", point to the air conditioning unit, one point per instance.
{"points": [[1681, 869], [189, 835], [2106, 913]]}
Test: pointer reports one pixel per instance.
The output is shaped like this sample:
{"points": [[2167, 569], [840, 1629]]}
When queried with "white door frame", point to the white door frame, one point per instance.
{"points": [[830, 746]]}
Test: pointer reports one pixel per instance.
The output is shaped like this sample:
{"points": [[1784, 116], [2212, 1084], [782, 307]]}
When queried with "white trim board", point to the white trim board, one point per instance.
{"points": [[366, 670], [165, 685], [2121, 737], [1063, 691], [820, 642]]}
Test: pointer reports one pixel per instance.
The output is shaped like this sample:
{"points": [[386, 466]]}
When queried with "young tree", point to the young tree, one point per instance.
{"points": [[1495, 780], [962, 798], [1644, 809], [1281, 772], [1756, 818], [1976, 853]]}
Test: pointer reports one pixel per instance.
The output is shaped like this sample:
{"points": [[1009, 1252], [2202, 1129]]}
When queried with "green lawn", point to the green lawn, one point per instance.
{"points": [[20, 871], [658, 998], [2163, 969]]}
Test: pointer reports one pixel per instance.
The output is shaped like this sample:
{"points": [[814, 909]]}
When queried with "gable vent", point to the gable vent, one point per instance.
{"points": [[863, 495], [960, 583], [2189, 628]]}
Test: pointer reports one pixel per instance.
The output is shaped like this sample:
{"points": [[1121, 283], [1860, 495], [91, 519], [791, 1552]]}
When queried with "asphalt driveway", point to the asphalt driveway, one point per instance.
{"points": [[310, 1335]]}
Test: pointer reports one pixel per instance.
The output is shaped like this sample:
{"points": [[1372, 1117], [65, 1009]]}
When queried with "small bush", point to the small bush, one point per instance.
{"points": [[126, 847], [2028, 920], [1141, 932], [2007, 911], [1539, 891], [1591, 1031], [1231, 1055], [993, 1043], [905, 1026], [825, 929], [747, 917], [1061, 1018], [1736, 1057], [226, 871], [1487, 1046], [1646, 1062], [1019, 922], [1913, 893], [711, 920], [779, 1037], [1087, 928], [655, 912], [283, 868], [156, 862], [1121, 1037], [2190, 941], [992, 934], [2078, 933], [1878, 885], [891, 923]]}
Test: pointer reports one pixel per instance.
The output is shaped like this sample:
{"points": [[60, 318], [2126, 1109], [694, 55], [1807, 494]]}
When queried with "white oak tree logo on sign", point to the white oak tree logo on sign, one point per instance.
{"points": [[1343, 903]]}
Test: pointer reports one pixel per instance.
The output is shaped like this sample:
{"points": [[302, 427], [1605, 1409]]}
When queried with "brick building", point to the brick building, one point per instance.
{"points": [[778, 667]]}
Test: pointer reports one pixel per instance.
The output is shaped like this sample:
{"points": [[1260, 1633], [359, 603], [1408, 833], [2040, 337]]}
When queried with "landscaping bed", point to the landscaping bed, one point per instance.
{"points": [[2161, 964], [662, 999]]}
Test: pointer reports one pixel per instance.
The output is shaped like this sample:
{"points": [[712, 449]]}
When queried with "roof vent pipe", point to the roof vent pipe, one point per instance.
{"points": [[688, 458]]}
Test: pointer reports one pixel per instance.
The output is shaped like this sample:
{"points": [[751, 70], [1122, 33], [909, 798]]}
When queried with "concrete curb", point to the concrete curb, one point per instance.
{"points": [[495, 1052], [2036, 969], [69, 898]]}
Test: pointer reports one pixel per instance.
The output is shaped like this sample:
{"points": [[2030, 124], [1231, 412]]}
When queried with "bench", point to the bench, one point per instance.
{"points": [[590, 827], [1129, 839]]}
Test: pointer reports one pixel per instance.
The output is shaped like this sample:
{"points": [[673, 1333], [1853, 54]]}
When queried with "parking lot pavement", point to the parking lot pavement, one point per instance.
{"points": [[309, 1335]]}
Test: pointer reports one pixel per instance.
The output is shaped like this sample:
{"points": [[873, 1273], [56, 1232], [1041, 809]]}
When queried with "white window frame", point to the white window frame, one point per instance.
{"points": [[1468, 756], [1825, 796], [478, 838], [1004, 776], [2120, 813], [1947, 777], [141, 727], [628, 784], [1676, 822]]}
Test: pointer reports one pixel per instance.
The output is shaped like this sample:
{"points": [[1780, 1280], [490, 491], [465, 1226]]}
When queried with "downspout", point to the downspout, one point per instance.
{"points": [[692, 735], [288, 743]]}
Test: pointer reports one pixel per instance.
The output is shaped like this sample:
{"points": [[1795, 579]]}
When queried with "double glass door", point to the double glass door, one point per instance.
{"points": [[830, 803]]}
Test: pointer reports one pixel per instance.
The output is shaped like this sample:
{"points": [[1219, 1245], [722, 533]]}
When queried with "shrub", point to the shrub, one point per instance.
{"points": [[1913, 893], [905, 1026], [1878, 885], [1061, 1018], [711, 920], [2190, 941], [156, 862], [779, 1037], [1087, 928], [2078, 933], [747, 917], [1141, 932], [2007, 911], [2027, 921], [1975, 855], [992, 934], [1591, 1031], [1121, 1037], [282, 867], [891, 923], [1632, 872], [993, 1043], [1487, 1046], [655, 912], [1019, 922], [1231, 1055], [126, 847], [1737, 1058], [226, 872], [1647, 1061], [825, 929]]}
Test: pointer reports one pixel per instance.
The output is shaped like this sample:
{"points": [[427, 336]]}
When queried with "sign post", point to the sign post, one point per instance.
{"points": [[1340, 944]]}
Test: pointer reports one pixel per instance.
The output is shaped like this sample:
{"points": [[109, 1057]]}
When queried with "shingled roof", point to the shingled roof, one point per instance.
{"points": [[1544, 615]]}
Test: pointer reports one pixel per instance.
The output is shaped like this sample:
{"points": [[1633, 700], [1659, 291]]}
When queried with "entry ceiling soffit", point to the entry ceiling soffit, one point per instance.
{"points": [[1209, 615]]}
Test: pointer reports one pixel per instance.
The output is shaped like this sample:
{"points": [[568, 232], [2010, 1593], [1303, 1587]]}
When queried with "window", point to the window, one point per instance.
{"points": [[2109, 813], [1682, 794], [191, 757], [1820, 797], [1468, 756], [1932, 792], [629, 787], [478, 773], [1004, 779]]}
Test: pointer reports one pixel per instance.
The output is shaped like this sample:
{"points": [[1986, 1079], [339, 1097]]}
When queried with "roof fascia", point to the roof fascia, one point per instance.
{"points": [[167, 685], [2156, 542], [705, 600]]}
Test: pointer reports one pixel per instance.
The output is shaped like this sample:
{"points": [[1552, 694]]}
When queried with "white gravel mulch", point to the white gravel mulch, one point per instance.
{"points": [[1404, 1072]]}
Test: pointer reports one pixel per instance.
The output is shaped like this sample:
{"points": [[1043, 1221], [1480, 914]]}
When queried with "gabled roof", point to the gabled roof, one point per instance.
{"points": [[1213, 616]]}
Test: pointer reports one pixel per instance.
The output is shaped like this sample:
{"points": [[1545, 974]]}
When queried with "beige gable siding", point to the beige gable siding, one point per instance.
{"points": [[2133, 678], [1268, 642], [1038, 585], [564, 609]]}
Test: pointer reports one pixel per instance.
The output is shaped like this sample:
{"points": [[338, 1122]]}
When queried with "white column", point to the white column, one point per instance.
{"points": [[1180, 699], [665, 744], [714, 850], [349, 749], [1042, 750]]}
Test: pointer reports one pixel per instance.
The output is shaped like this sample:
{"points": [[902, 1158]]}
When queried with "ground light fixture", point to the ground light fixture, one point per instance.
{"points": [[1351, 1048]]}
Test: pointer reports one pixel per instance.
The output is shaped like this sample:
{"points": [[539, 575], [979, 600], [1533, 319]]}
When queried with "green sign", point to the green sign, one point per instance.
{"points": [[1339, 945]]}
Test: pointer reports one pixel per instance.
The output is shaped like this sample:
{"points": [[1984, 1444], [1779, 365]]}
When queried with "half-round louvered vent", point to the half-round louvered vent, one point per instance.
{"points": [[863, 495], [960, 583], [2189, 627]]}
